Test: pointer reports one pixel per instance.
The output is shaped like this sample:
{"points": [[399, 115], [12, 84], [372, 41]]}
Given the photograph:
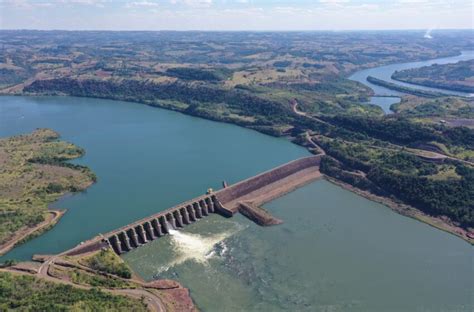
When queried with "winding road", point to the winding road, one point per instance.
{"points": [[154, 303], [435, 156], [25, 232]]}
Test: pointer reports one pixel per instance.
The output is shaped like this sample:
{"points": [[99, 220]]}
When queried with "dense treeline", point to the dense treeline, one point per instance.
{"points": [[145, 92], [399, 174], [27, 293], [461, 136], [456, 77], [453, 198], [406, 177], [403, 131], [188, 73], [395, 130], [396, 87], [334, 169]]}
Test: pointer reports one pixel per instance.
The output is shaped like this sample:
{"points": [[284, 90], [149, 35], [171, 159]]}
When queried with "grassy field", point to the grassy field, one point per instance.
{"points": [[107, 261], [33, 174]]}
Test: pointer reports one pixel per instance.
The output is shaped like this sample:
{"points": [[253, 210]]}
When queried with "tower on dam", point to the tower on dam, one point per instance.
{"points": [[250, 193]]}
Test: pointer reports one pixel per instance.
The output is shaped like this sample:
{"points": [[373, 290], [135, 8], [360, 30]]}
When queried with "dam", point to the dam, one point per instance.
{"points": [[251, 192]]}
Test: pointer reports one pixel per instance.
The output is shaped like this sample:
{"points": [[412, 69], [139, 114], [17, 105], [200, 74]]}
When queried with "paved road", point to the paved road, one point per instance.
{"points": [[153, 302], [414, 151]]}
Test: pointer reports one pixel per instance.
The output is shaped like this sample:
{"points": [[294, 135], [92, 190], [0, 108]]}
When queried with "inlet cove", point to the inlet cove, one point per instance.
{"points": [[334, 250]]}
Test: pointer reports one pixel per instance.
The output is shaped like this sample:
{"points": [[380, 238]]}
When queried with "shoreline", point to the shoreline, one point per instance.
{"points": [[26, 233], [400, 208], [443, 224]]}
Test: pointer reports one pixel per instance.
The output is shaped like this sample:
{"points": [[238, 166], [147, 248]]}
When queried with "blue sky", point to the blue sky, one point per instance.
{"points": [[235, 14]]}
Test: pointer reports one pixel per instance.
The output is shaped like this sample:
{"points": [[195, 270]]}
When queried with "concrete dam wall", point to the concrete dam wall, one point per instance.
{"points": [[283, 174], [254, 191], [143, 231]]}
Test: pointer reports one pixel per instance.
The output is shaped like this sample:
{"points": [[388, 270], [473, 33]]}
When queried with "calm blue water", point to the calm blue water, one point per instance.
{"points": [[390, 97], [335, 251], [146, 160]]}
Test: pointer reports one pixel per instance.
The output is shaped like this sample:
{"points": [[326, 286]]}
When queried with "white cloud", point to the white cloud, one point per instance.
{"points": [[193, 3], [227, 15], [413, 1], [30, 4], [138, 4], [334, 1]]}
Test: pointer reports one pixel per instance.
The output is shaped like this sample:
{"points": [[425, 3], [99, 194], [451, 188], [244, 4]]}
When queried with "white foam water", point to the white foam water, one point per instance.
{"points": [[189, 246]]}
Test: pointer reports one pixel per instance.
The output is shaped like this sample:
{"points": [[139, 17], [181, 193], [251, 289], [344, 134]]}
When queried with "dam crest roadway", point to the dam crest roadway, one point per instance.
{"points": [[245, 197]]}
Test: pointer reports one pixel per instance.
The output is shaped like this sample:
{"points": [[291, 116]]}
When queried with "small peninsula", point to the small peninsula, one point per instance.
{"points": [[34, 173], [456, 77]]}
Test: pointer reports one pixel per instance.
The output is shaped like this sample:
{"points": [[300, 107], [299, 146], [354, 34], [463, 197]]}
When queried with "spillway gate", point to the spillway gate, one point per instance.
{"points": [[148, 229]]}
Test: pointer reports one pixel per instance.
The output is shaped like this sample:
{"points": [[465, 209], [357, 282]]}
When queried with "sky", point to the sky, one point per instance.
{"points": [[236, 14]]}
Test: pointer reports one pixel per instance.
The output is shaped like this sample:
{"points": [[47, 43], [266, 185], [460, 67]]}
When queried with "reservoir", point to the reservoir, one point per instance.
{"points": [[146, 160], [335, 251], [385, 97]]}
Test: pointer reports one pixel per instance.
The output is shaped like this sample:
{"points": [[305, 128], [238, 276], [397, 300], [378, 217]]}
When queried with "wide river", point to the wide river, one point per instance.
{"points": [[335, 251], [385, 97]]}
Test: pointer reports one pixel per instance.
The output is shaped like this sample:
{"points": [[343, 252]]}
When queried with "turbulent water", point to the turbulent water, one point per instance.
{"points": [[335, 251], [195, 247], [146, 160]]}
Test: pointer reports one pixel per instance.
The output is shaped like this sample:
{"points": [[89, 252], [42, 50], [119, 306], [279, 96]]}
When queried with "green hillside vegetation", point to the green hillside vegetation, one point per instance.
{"points": [[408, 90], [253, 79], [456, 77], [27, 293], [187, 73], [439, 107], [33, 174], [107, 261], [436, 188]]}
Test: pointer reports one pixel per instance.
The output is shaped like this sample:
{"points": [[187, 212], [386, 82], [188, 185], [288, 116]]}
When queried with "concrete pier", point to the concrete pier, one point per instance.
{"points": [[192, 215], [204, 209], [210, 204], [141, 234], [164, 225], [116, 245], [157, 227], [178, 218], [185, 215], [197, 210], [133, 237], [226, 202], [148, 231], [125, 240], [171, 220]]}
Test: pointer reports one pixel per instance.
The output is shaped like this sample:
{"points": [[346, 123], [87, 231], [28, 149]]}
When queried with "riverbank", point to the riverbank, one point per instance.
{"points": [[452, 77], [440, 223], [403, 89], [34, 175], [27, 233]]}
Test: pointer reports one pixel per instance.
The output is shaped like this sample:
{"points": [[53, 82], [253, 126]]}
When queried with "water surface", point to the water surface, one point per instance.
{"points": [[335, 251], [386, 97], [146, 159]]}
